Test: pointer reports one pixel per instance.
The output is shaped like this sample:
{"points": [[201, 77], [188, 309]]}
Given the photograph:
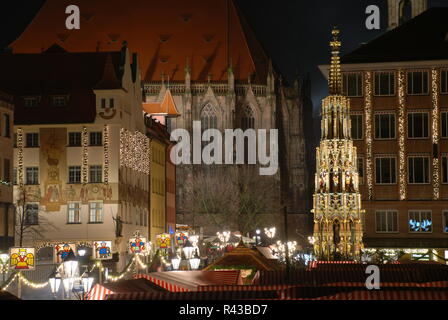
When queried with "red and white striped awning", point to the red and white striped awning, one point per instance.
{"points": [[98, 292]]}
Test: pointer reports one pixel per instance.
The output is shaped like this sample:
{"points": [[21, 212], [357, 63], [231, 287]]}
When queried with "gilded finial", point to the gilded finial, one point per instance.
{"points": [[335, 77]]}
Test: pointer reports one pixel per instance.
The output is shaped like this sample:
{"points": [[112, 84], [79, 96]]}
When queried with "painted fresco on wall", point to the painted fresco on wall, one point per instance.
{"points": [[52, 166], [89, 192]]}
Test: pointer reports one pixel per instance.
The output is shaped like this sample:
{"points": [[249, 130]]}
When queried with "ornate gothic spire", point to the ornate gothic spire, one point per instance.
{"points": [[335, 78]]}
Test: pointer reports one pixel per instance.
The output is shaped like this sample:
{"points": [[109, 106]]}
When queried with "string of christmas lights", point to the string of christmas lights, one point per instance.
{"points": [[401, 136], [368, 117], [134, 151], [84, 155], [20, 155], [435, 132], [106, 153]]}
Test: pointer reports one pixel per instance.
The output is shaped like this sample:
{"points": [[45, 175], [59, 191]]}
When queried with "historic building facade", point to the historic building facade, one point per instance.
{"points": [[6, 161], [81, 156], [337, 209], [399, 116], [214, 66]]}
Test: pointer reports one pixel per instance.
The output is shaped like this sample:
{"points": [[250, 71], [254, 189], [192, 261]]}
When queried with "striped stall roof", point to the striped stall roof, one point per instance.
{"points": [[195, 295]]}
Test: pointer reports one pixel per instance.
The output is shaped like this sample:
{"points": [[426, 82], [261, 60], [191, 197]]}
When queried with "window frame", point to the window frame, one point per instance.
{"points": [[26, 218], [387, 211], [72, 134], [78, 209], [37, 176], [443, 70], [345, 90], [420, 212], [99, 133], [59, 97], [442, 113], [444, 156], [429, 169], [445, 221], [70, 181], [100, 208], [408, 125], [379, 94], [95, 168], [384, 114], [427, 82], [32, 134], [395, 169], [31, 98], [362, 125]]}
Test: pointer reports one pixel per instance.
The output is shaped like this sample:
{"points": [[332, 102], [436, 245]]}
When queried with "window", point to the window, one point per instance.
{"points": [[444, 81], [384, 83], [31, 214], [7, 170], [360, 163], [32, 175], [111, 103], [103, 103], [445, 221], [59, 101], [444, 130], [74, 139], [420, 221], [14, 176], [96, 174], [74, 210], [96, 138], [445, 169], [247, 119], [15, 140], [384, 126], [96, 212], [32, 140], [417, 82], [418, 169], [356, 123], [386, 221], [7, 125], [352, 84], [74, 174], [418, 125], [31, 102], [385, 170]]}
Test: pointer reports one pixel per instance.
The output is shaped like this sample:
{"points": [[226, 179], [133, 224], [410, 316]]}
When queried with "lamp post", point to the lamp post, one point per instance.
{"points": [[87, 281], [69, 268], [175, 261], [55, 282], [195, 261], [188, 249]]}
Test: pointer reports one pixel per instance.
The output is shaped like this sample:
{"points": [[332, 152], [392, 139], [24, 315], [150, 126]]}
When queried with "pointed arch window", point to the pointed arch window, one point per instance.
{"points": [[247, 118], [209, 119]]}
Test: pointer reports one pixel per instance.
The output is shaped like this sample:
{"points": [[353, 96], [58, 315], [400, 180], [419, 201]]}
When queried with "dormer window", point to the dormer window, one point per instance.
{"points": [[31, 101], [104, 103], [59, 101]]}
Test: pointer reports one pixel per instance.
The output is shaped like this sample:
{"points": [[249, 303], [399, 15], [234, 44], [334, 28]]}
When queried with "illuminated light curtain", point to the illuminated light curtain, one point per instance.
{"points": [[435, 133], [20, 155], [106, 153], [401, 135], [368, 119], [84, 168]]}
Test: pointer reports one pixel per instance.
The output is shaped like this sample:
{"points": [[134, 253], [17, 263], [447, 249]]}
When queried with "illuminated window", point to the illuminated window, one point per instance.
{"points": [[420, 221], [418, 125], [352, 84], [418, 169], [59, 101], [32, 175], [31, 102], [74, 210], [95, 212], [417, 82], [356, 123], [31, 214], [384, 126], [385, 83], [385, 168], [386, 221]]}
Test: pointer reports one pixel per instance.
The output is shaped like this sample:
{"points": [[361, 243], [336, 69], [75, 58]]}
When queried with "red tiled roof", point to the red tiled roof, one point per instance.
{"points": [[164, 34], [166, 107]]}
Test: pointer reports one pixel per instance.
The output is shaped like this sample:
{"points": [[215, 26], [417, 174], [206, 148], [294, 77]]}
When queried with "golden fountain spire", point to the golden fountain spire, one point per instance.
{"points": [[335, 78]]}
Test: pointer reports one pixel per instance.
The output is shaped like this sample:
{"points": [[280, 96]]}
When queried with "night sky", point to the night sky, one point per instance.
{"points": [[295, 33]]}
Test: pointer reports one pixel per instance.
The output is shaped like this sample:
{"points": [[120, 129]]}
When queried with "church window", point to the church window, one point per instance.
{"points": [[209, 119], [247, 119]]}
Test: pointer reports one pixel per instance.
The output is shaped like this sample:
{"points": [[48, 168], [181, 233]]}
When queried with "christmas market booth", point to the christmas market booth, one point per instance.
{"points": [[99, 291]]}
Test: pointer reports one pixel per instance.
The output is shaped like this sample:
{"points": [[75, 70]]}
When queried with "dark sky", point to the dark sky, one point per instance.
{"points": [[295, 33]]}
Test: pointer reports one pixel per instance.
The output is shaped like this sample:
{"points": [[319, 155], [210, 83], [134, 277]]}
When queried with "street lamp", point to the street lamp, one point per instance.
{"points": [[69, 267], [188, 249], [87, 281], [4, 257], [55, 282], [195, 261], [175, 261]]}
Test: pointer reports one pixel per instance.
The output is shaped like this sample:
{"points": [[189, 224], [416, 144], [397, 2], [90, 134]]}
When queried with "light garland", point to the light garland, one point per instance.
{"points": [[106, 153], [84, 155], [11, 280], [368, 117], [134, 151], [20, 155], [435, 133], [30, 283], [401, 136]]}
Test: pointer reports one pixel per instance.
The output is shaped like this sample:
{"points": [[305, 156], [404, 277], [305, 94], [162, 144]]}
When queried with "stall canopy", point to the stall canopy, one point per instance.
{"points": [[99, 291], [183, 281]]}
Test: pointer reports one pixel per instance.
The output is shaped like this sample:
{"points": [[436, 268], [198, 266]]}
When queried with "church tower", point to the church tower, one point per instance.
{"points": [[401, 11], [336, 202]]}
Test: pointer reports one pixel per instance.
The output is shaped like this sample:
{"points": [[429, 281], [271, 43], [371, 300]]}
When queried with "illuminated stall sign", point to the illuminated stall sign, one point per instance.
{"points": [[163, 240], [137, 245], [181, 238], [22, 258], [62, 251], [102, 250]]}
